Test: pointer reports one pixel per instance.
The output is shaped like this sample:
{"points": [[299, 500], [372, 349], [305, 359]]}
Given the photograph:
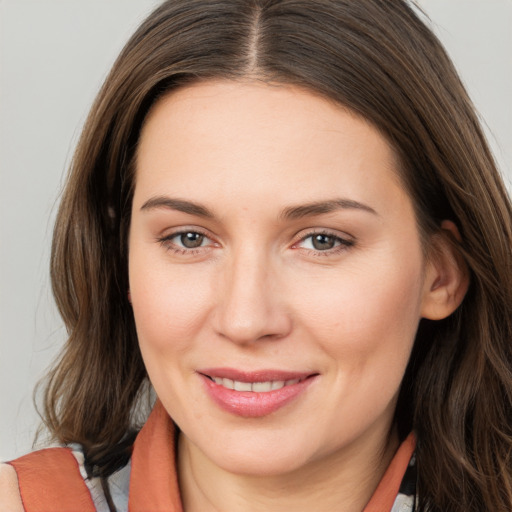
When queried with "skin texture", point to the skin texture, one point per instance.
{"points": [[10, 500], [258, 294]]}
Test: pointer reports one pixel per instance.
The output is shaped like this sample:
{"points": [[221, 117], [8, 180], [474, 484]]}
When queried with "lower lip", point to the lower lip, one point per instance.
{"points": [[250, 404]]}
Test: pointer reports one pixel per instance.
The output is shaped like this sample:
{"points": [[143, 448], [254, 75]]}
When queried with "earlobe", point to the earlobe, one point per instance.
{"points": [[446, 277]]}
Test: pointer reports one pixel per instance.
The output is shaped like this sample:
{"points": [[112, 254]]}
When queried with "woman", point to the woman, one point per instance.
{"points": [[285, 216]]}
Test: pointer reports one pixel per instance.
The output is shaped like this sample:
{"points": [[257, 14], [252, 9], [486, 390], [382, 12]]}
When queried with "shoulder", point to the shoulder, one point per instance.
{"points": [[55, 479], [10, 499], [48, 479]]}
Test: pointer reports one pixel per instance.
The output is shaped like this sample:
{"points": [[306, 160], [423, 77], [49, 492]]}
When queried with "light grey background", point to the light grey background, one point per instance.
{"points": [[54, 55]]}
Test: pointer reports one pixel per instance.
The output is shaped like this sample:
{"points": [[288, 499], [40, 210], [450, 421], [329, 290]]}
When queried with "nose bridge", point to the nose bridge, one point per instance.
{"points": [[249, 307]]}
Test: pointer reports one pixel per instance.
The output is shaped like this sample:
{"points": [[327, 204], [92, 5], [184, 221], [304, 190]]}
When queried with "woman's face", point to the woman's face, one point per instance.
{"points": [[272, 250]]}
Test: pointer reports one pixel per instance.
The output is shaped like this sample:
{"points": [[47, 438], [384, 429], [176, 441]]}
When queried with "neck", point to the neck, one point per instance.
{"points": [[344, 481]]}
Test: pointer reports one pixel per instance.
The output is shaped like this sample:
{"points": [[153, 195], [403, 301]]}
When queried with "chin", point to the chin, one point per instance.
{"points": [[258, 452], [261, 463]]}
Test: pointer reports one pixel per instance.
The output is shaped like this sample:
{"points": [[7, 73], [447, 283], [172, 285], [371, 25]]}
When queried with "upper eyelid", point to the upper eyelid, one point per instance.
{"points": [[166, 239], [180, 231], [305, 233]]}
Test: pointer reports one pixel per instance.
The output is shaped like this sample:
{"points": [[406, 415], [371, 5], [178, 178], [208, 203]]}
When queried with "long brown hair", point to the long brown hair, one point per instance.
{"points": [[379, 59]]}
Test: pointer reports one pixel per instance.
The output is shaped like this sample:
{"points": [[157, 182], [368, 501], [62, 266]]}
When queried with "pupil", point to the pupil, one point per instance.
{"points": [[191, 240], [323, 242]]}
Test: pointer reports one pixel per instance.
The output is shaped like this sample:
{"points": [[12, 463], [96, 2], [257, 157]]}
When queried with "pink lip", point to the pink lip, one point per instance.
{"points": [[251, 404]]}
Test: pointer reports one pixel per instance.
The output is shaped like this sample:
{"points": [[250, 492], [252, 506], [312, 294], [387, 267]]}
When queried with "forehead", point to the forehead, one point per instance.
{"points": [[222, 139]]}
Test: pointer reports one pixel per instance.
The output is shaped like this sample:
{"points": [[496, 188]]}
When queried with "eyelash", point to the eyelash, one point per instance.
{"points": [[342, 243], [166, 242]]}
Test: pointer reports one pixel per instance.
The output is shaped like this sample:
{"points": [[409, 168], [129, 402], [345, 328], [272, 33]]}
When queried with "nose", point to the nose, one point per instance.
{"points": [[251, 301]]}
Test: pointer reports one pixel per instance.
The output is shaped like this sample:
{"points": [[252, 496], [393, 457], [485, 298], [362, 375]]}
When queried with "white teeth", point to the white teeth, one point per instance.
{"points": [[228, 383], [257, 387], [242, 386], [261, 387]]}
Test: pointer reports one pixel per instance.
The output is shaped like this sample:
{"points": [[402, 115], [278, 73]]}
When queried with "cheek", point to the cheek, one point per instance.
{"points": [[368, 312], [366, 325], [169, 307]]}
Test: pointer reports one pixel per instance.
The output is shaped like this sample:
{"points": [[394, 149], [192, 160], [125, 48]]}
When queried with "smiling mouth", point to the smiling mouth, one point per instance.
{"points": [[255, 387], [253, 394]]}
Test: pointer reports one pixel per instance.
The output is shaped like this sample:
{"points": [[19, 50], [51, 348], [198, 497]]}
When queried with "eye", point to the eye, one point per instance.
{"points": [[185, 241], [321, 242], [324, 242], [189, 240]]}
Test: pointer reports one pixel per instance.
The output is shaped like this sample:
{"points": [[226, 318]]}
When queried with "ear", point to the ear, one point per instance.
{"points": [[446, 275]]}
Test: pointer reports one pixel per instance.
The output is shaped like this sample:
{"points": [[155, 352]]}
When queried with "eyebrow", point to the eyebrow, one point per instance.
{"points": [[289, 213], [180, 205], [322, 207]]}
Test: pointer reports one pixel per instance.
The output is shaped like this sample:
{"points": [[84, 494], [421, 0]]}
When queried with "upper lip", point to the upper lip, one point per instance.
{"points": [[255, 376]]}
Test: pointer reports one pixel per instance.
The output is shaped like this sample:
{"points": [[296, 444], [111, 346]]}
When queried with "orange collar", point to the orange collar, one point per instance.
{"points": [[153, 478]]}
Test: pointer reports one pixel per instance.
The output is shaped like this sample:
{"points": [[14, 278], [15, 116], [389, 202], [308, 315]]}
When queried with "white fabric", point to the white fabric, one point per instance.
{"points": [[119, 484]]}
